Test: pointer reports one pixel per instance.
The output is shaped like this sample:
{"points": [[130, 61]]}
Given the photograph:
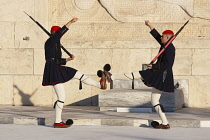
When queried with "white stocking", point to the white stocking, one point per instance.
{"points": [[156, 94], [87, 80], [126, 76], [60, 92]]}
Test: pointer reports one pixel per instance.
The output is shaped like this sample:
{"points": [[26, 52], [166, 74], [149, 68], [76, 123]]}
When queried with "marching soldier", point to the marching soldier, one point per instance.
{"points": [[158, 75], [55, 74]]}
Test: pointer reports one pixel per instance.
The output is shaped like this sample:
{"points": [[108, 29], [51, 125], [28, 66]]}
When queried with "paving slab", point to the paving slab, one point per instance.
{"points": [[91, 116]]}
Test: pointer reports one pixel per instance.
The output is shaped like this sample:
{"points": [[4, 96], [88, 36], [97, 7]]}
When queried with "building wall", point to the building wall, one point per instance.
{"points": [[108, 31]]}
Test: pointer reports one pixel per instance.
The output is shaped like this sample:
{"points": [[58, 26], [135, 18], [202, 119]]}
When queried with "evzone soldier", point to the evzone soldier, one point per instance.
{"points": [[55, 74], [158, 75]]}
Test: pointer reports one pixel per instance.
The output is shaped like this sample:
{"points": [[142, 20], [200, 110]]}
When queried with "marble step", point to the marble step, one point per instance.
{"points": [[110, 100]]}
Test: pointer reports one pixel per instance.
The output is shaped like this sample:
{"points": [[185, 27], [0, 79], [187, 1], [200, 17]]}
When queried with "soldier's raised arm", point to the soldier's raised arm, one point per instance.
{"points": [[149, 24], [70, 22]]}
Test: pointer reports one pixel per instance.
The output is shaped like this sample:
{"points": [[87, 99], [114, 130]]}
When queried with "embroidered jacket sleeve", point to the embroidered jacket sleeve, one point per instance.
{"points": [[156, 35]]}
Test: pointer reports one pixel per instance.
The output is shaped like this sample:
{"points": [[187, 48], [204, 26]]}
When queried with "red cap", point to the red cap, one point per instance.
{"points": [[55, 28], [168, 32]]}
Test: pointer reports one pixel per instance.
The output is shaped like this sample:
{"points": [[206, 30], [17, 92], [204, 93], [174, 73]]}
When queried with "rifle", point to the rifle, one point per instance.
{"points": [[168, 42], [70, 55]]}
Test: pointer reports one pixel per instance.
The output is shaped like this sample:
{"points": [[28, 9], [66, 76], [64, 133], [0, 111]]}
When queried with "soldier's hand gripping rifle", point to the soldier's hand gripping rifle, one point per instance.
{"points": [[168, 42], [70, 55]]}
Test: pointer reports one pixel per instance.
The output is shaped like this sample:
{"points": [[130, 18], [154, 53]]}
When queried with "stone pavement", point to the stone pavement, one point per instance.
{"points": [[89, 115], [40, 132]]}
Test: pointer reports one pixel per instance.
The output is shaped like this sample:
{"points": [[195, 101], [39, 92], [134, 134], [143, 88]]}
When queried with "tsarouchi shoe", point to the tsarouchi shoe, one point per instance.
{"points": [[61, 125], [161, 126]]}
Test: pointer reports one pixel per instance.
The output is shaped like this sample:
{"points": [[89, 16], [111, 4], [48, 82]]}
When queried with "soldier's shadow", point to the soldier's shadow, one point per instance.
{"points": [[25, 98]]}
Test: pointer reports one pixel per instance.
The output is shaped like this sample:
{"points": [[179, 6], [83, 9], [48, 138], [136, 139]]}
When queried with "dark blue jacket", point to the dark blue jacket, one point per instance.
{"points": [[52, 46], [161, 74], [54, 72]]}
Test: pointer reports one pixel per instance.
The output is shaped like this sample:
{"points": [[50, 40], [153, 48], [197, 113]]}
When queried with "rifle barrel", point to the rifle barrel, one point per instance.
{"points": [[47, 33]]}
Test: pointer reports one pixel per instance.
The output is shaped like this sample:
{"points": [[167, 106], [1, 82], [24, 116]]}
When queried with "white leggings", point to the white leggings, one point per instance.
{"points": [[155, 97], [126, 76], [60, 92], [87, 80]]}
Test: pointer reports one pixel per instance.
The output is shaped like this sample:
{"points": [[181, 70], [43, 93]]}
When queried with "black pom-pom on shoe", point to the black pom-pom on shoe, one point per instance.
{"points": [[69, 122], [107, 67], [99, 73], [154, 124]]}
